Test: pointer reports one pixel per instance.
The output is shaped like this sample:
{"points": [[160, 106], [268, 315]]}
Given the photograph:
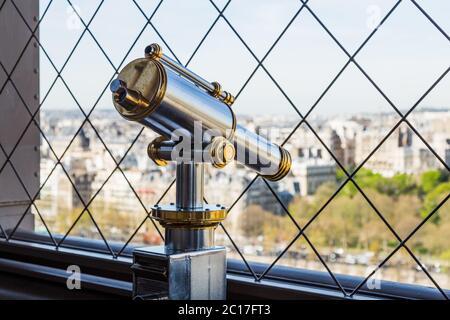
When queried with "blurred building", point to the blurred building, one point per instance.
{"points": [[404, 151], [312, 173], [259, 194]]}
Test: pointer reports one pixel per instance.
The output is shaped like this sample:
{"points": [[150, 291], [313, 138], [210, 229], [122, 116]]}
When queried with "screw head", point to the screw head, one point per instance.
{"points": [[153, 51]]}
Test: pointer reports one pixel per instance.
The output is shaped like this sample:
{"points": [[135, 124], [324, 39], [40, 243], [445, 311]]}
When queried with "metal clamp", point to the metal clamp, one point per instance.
{"points": [[219, 152]]}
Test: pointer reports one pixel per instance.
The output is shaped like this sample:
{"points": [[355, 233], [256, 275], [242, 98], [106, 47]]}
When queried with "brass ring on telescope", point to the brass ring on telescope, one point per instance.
{"points": [[217, 89], [283, 168], [229, 99], [209, 215]]}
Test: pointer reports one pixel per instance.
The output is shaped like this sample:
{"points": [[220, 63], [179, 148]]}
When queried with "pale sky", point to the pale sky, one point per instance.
{"points": [[406, 55]]}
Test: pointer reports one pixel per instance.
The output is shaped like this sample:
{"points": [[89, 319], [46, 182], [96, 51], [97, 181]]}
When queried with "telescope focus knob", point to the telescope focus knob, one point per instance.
{"points": [[221, 152]]}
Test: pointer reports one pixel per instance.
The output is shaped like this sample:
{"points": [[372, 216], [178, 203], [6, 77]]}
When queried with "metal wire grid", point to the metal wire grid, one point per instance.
{"points": [[303, 5]]}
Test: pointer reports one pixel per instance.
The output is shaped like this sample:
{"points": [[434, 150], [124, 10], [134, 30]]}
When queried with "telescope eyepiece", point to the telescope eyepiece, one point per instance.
{"points": [[127, 98], [119, 90], [116, 85]]}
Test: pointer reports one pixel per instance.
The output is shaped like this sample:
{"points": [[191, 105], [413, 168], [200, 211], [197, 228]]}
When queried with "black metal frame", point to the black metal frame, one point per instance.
{"points": [[260, 273], [106, 277]]}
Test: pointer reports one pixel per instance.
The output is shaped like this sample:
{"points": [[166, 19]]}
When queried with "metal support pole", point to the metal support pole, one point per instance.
{"points": [[189, 266], [189, 195], [190, 183]]}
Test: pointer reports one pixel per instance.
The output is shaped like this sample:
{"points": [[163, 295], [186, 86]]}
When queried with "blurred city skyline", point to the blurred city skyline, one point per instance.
{"points": [[402, 177]]}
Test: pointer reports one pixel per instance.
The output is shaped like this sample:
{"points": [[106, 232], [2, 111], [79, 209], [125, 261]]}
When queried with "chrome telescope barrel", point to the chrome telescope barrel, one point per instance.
{"points": [[255, 152], [168, 98]]}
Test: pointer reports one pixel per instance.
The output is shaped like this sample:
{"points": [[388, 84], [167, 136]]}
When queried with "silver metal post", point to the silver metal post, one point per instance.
{"points": [[189, 196], [188, 239], [190, 182]]}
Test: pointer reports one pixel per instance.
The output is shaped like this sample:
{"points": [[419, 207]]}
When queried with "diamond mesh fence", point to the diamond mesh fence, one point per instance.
{"points": [[79, 67]]}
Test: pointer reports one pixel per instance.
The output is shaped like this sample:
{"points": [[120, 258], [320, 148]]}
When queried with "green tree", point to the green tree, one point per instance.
{"points": [[401, 184], [433, 198], [367, 179], [430, 180]]}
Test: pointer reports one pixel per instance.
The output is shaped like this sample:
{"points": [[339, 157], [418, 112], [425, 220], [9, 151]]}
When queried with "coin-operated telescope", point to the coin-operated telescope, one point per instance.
{"points": [[196, 126]]}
